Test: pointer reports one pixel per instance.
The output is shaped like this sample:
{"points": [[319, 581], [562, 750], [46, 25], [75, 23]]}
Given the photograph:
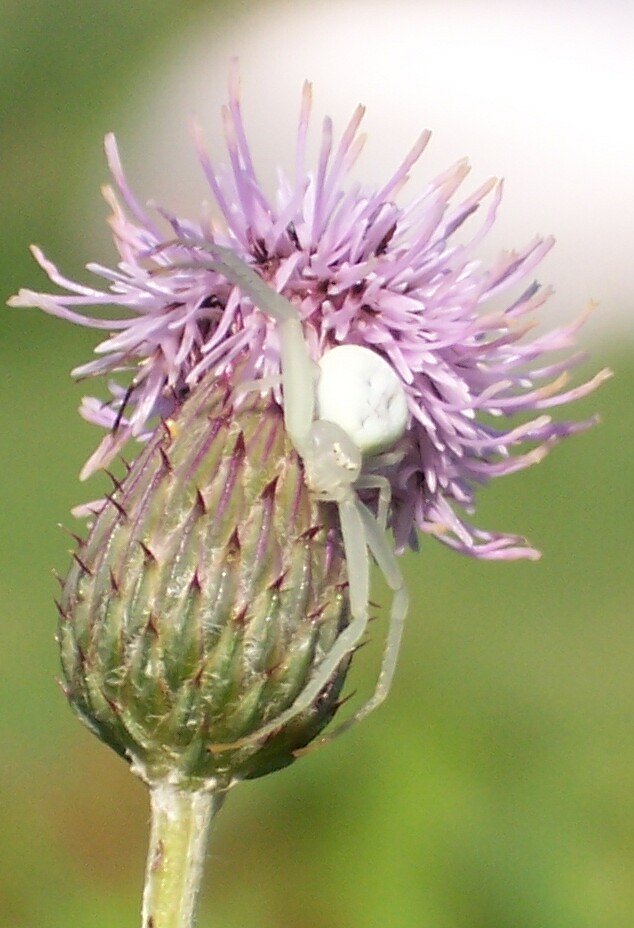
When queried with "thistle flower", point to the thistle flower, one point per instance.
{"points": [[360, 270]]}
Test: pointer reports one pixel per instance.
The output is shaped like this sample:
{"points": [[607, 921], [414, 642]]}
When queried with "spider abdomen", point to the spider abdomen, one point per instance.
{"points": [[359, 391]]}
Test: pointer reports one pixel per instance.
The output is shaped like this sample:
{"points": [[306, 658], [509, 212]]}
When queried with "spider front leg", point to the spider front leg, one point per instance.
{"points": [[299, 372]]}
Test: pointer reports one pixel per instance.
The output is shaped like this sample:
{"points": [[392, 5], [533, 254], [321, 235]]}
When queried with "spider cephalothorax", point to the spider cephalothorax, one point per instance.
{"points": [[332, 461]]}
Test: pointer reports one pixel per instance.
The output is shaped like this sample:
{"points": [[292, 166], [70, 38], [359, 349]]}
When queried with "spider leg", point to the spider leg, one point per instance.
{"points": [[382, 484], [263, 385], [386, 459], [242, 275], [299, 372], [388, 565], [386, 561], [353, 533]]}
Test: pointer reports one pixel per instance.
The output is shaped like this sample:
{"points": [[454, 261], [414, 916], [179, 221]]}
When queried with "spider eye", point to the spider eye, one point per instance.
{"points": [[360, 392]]}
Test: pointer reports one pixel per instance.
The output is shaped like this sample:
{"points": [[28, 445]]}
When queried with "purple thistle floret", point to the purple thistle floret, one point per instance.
{"points": [[360, 270]]}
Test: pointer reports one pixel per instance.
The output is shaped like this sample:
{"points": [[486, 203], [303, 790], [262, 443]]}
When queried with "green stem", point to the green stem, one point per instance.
{"points": [[179, 834]]}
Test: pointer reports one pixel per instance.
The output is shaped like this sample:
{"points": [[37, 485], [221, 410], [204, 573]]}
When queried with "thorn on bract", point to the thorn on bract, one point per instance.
{"points": [[69, 532], [233, 543], [115, 481], [200, 502], [150, 625], [81, 563], [240, 617], [114, 583], [268, 492], [58, 577], [167, 464], [118, 506], [310, 533], [239, 449], [275, 586], [344, 699], [116, 708], [316, 614], [149, 554]]}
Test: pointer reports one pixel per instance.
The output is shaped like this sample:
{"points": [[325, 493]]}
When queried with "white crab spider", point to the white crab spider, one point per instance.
{"points": [[361, 408]]}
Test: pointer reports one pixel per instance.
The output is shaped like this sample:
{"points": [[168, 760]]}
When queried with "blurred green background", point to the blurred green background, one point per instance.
{"points": [[495, 789]]}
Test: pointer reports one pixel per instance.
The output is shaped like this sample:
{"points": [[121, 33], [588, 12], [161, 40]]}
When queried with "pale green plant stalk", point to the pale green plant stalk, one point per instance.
{"points": [[179, 834]]}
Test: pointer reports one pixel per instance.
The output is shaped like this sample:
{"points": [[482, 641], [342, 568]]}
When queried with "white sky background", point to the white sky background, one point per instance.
{"points": [[539, 92]]}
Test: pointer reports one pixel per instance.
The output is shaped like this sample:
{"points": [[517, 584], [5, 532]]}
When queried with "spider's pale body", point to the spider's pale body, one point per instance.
{"points": [[360, 391], [350, 405]]}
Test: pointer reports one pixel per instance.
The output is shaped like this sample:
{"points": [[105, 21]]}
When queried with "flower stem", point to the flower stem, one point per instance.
{"points": [[179, 834]]}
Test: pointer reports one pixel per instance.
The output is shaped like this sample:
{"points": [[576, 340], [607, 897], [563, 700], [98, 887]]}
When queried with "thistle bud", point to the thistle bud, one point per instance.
{"points": [[207, 592]]}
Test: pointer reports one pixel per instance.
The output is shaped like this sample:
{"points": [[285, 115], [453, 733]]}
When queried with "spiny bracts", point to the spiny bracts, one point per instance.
{"points": [[207, 591]]}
